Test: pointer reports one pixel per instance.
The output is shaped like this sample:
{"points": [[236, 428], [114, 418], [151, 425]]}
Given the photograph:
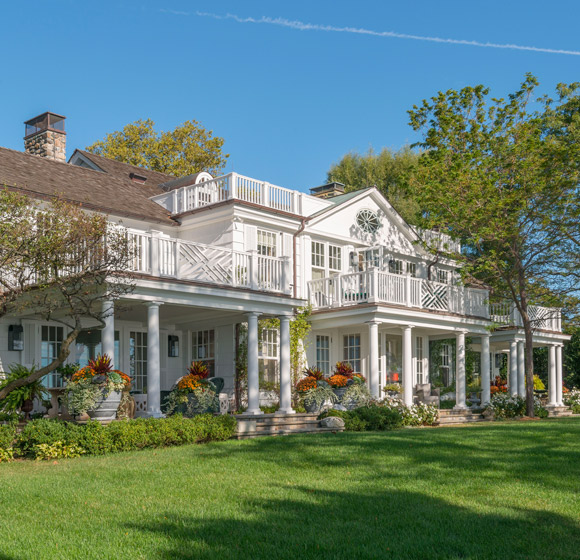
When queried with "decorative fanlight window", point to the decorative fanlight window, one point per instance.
{"points": [[368, 221]]}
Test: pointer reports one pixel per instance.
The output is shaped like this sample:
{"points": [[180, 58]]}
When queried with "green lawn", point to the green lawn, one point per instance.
{"points": [[502, 490]]}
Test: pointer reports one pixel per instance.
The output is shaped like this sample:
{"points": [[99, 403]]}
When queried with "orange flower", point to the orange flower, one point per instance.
{"points": [[337, 380], [306, 383], [190, 382]]}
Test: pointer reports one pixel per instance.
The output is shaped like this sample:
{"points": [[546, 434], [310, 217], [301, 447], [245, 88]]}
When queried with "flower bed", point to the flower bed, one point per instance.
{"points": [[572, 399], [505, 406], [55, 439]]}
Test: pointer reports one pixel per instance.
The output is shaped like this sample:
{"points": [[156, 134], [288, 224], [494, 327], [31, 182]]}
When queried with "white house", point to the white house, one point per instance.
{"points": [[215, 252]]}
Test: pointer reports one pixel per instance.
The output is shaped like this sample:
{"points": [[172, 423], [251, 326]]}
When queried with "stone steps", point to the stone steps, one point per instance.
{"points": [[273, 424], [558, 411], [447, 417]]}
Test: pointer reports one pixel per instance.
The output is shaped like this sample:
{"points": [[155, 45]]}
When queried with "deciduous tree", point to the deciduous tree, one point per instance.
{"points": [[187, 149], [501, 176], [59, 263]]}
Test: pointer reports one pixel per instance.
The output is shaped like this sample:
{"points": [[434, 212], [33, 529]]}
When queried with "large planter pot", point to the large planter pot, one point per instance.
{"points": [[193, 404], [339, 392], [313, 408], [106, 408]]}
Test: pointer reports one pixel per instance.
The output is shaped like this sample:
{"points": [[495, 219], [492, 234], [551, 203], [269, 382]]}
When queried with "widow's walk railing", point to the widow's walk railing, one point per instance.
{"points": [[168, 257], [374, 286], [239, 187]]}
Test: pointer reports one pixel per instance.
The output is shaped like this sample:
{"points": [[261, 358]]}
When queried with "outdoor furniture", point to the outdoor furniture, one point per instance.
{"points": [[426, 394]]}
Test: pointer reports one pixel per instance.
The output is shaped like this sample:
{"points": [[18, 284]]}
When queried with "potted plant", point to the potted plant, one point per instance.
{"points": [[21, 399], [96, 390], [356, 394], [314, 391], [193, 393], [341, 378]]}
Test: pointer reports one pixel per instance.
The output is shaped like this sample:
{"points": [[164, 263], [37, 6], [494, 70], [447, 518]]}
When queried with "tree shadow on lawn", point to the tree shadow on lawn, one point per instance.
{"points": [[547, 453], [388, 524]]}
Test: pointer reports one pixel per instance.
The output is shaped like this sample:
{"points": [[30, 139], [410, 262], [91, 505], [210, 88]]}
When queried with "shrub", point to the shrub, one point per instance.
{"points": [[572, 399], [39, 438], [6, 454], [57, 450], [504, 405], [372, 418], [419, 414], [7, 435]]}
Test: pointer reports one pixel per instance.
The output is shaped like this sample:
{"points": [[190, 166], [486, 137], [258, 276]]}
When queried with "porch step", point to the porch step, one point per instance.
{"points": [[447, 417], [270, 425], [558, 411]]}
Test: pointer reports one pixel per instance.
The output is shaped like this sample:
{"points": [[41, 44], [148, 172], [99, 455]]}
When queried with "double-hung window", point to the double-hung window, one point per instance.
{"points": [[396, 266], [323, 353], [203, 348], [318, 260], [268, 361], [351, 351], [138, 360], [51, 340], [266, 243], [334, 258]]}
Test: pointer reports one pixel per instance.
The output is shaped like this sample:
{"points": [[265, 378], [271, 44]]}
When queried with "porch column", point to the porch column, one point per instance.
{"points": [[285, 376], [552, 394], [521, 370], [253, 374], [559, 380], [407, 366], [485, 370], [513, 383], [108, 332], [153, 361], [374, 358], [460, 382]]}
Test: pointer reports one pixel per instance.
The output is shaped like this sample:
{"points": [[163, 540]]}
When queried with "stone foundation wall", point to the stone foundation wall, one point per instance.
{"points": [[48, 144]]}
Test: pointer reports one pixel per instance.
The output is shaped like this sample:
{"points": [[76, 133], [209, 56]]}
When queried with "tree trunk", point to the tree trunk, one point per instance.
{"points": [[57, 362], [529, 362]]}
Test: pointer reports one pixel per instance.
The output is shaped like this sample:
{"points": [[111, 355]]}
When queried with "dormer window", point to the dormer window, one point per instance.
{"points": [[137, 178]]}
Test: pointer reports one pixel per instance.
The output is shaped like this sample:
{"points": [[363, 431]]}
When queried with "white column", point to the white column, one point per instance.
{"points": [[552, 383], [285, 376], [253, 374], [460, 381], [153, 361], [513, 379], [521, 370], [559, 380], [485, 370], [108, 332], [407, 366], [374, 358]]}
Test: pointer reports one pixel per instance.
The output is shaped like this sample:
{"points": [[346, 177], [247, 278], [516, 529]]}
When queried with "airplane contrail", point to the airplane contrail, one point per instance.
{"points": [[302, 26]]}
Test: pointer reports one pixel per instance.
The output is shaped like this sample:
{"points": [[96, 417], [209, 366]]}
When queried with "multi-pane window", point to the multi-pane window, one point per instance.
{"points": [[89, 346], [318, 259], [372, 258], [51, 340], [323, 353], [268, 362], [412, 269], [396, 266], [351, 353], [420, 365], [445, 368], [334, 257], [443, 276], [203, 348], [138, 360], [266, 243]]}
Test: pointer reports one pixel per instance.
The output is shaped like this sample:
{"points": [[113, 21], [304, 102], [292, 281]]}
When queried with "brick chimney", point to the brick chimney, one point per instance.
{"points": [[45, 136]]}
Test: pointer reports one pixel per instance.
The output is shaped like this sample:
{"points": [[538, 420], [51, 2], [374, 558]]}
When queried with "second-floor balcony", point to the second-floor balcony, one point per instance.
{"points": [[167, 257], [542, 318], [375, 286]]}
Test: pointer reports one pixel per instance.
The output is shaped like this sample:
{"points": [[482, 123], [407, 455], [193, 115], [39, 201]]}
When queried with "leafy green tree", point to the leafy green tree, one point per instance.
{"points": [[55, 264], [387, 170], [187, 149], [572, 359], [498, 176]]}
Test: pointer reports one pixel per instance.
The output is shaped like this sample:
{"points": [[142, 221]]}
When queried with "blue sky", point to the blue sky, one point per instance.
{"points": [[289, 102]]}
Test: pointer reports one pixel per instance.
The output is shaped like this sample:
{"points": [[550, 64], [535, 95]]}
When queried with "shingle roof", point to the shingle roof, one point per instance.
{"points": [[339, 199], [111, 190]]}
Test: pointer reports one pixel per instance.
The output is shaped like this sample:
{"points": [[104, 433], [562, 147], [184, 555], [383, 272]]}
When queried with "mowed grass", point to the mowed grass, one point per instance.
{"points": [[502, 490]]}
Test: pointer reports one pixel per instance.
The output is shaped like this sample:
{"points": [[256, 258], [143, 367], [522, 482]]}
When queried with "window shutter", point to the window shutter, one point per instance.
{"points": [[286, 245], [30, 332]]}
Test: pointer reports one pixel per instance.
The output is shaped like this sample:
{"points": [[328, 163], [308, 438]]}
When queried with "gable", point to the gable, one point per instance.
{"points": [[340, 222]]}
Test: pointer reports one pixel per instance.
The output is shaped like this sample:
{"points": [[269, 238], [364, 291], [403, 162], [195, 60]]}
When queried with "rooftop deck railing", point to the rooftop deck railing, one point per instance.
{"points": [[239, 187], [186, 260]]}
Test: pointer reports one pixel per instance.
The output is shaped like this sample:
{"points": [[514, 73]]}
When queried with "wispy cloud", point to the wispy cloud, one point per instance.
{"points": [[302, 26]]}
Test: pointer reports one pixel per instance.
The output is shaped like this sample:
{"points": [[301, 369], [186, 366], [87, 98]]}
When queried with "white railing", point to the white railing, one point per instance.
{"points": [[373, 286], [186, 260], [235, 186], [543, 318]]}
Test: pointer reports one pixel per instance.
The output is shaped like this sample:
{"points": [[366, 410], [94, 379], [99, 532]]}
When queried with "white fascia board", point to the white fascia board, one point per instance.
{"points": [[540, 338], [202, 219], [398, 317], [217, 297], [257, 217]]}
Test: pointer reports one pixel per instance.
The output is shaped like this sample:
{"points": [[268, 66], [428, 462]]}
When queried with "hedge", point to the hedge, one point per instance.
{"points": [[368, 418], [41, 437]]}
